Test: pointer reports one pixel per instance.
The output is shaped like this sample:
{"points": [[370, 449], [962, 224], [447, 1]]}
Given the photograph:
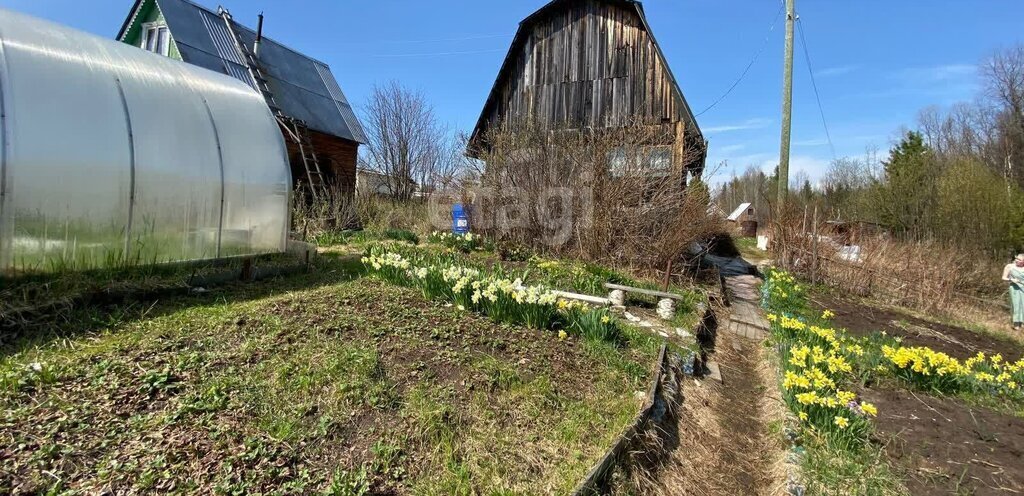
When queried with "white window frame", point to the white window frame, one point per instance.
{"points": [[654, 160], [162, 40]]}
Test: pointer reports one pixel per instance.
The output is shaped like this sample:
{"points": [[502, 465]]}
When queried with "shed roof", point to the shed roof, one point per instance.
{"points": [[735, 215], [303, 87], [523, 31]]}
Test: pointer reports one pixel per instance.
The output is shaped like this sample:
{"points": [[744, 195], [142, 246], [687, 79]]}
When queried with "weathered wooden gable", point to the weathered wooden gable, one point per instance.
{"points": [[586, 64]]}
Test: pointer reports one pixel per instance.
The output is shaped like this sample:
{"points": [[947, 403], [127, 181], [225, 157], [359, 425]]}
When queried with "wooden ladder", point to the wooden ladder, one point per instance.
{"points": [[252, 65], [314, 175], [296, 129]]}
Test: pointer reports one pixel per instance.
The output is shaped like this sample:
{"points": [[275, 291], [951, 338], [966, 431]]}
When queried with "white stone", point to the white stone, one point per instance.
{"points": [[666, 308], [617, 297]]}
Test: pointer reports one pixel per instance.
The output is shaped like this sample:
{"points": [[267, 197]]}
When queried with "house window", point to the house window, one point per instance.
{"points": [[617, 163], [659, 159], [655, 160], [156, 38]]}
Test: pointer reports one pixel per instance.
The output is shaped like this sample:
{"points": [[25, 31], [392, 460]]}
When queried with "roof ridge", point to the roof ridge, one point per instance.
{"points": [[252, 31]]}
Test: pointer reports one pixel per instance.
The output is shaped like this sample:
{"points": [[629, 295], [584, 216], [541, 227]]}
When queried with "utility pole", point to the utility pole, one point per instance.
{"points": [[787, 110]]}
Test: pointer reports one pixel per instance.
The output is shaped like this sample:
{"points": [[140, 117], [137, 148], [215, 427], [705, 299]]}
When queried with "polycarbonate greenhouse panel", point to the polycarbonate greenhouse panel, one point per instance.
{"points": [[110, 154]]}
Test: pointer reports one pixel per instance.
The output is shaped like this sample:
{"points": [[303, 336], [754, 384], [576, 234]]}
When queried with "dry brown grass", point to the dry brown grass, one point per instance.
{"points": [[725, 443], [937, 278]]}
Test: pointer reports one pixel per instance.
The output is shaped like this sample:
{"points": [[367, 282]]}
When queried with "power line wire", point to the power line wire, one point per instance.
{"points": [[751, 64], [814, 84]]}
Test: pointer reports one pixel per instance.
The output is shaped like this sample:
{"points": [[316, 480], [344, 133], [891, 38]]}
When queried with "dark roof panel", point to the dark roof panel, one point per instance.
{"points": [[303, 87]]}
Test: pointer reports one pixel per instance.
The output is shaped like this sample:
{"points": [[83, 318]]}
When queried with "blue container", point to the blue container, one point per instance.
{"points": [[460, 219]]}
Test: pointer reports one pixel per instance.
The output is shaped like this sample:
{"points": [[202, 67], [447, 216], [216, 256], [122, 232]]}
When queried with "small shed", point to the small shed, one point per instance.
{"points": [[111, 155], [320, 128], [745, 219], [744, 212]]}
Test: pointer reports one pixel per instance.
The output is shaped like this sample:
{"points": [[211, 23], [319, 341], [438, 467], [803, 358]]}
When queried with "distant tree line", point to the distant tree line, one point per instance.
{"points": [[958, 178]]}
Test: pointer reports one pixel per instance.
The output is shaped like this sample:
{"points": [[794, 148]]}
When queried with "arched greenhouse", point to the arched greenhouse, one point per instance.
{"points": [[110, 154]]}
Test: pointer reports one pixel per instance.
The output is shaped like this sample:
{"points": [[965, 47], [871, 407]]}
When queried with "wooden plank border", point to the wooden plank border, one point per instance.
{"points": [[598, 476]]}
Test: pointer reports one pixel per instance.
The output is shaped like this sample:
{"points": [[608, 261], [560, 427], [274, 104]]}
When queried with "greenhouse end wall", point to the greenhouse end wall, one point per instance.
{"points": [[111, 155]]}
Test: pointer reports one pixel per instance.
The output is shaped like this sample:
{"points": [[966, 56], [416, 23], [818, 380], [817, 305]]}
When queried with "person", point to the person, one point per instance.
{"points": [[1014, 274]]}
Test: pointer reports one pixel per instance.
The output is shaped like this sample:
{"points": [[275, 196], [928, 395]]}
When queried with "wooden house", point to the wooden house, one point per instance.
{"points": [[320, 128], [590, 65]]}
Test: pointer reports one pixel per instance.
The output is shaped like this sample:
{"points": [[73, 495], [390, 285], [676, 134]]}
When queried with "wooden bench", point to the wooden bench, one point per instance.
{"points": [[648, 292], [666, 305]]}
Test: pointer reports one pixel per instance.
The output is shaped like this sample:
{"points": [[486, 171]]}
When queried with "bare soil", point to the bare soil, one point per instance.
{"points": [[862, 320], [945, 447]]}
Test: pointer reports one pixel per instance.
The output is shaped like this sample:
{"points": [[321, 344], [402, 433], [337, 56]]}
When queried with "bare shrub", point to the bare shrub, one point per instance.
{"points": [[332, 211], [382, 213], [926, 275], [406, 143], [615, 195]]}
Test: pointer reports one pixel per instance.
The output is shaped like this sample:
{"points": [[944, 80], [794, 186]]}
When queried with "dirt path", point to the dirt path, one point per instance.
{"points": [[725, 442]]}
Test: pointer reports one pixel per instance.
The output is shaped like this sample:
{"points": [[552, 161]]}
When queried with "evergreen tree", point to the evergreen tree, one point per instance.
{"points": [[909, 193]]}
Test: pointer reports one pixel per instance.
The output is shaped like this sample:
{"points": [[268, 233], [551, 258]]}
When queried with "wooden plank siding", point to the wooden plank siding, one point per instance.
{"points": [[590, 65]]}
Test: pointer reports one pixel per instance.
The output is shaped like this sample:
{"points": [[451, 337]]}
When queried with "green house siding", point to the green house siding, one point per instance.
{"points": [[149, 12]]}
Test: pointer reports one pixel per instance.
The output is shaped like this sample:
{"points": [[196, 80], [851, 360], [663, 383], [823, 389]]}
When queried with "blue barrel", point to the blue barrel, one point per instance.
{"points": [[460, 219]]}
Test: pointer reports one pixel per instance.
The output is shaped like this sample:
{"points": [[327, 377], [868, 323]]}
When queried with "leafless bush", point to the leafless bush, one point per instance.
{"points": [[334, 210], [377, 212], [406, 143], [925, 275], [617, 195]]}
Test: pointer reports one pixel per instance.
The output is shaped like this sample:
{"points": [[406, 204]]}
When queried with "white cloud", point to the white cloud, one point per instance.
{"points": [[811, 142], [728, 148], [942, 84], [836, 71], [937, 74], [814, 167], [756, 123]]}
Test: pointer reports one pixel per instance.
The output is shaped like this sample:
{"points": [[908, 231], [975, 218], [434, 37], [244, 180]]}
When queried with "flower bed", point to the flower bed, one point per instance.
{"points": [[818, 360], [816, 363], [466, 243], [501, 297]]}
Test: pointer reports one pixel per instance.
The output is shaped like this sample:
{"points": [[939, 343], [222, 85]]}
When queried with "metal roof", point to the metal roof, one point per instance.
{"points": [[735, 215], [523, 30], [303, 87]]}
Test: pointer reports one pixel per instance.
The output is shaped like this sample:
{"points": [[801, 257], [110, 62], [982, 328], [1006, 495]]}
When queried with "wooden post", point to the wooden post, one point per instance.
{"points": [[814, 255], [787, 108], [247, 272], [804, 229], [668, 276]]}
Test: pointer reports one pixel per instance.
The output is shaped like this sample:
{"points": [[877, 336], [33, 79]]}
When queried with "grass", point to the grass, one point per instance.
{"points": [[828, 469], [748, 248], [321, 382]]}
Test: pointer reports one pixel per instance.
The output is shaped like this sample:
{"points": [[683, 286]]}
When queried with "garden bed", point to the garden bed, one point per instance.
{"points": [[861, 319], [916, 392], [943, 446], [316, 382]]}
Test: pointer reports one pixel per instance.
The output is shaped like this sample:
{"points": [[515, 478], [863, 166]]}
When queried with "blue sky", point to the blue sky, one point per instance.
{"points": [[877, 62]]}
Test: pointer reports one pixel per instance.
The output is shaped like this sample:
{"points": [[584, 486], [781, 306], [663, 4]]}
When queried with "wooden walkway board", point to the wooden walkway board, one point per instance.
{"points": [[746, 317]]}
